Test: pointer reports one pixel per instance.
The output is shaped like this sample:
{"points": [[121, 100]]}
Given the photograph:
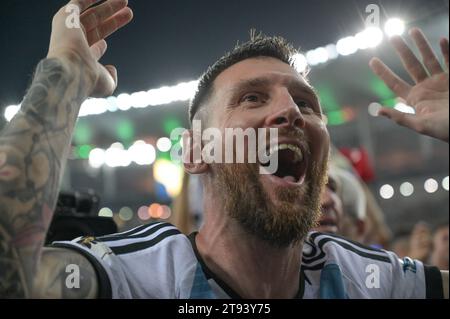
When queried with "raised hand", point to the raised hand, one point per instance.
{"points": [[429, 96], [35, 144], [83, 46]]}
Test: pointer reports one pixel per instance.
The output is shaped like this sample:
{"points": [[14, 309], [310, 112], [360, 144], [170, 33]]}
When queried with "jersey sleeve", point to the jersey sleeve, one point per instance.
{"points": [[367, 272], [111, 277], [154, 260], [412, 279]]}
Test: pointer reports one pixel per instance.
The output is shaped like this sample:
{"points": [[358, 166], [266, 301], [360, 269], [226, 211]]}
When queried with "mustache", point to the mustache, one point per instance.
{"points": [[292, 133]]}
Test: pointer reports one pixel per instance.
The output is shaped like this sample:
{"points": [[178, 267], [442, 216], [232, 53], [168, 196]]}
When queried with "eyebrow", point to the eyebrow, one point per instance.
{"points": [[261, 82]]}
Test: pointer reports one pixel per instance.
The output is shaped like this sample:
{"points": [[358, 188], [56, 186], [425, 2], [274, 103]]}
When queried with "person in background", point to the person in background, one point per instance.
{"points": [[424, 244], [430, 246], [377, 232], [354, 206], [187, 208], [439, 255], [331, 207], [343, 206], [373, 230], [421, 242], [400, 244]]}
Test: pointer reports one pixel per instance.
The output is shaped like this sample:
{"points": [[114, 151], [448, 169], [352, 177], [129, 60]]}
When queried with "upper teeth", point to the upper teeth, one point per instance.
{"points": [[297, 151]]}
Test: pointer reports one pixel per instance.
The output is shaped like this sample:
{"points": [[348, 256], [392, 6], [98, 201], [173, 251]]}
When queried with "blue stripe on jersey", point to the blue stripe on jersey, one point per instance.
{"points": [[331, 283], [200, 287]]}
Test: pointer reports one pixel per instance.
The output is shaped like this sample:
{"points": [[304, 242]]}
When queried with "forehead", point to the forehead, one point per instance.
{"points": [[266, 67]]}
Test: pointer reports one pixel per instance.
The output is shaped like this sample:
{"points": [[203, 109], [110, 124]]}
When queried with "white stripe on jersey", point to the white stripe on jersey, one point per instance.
{"points": [[139, 236]]}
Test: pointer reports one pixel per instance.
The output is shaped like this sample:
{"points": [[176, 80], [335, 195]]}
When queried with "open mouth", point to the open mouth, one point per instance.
{"points": [[328, 222], [291, 163]]}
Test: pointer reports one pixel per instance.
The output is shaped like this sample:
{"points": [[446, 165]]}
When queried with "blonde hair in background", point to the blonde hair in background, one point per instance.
{"points": [[181, 216]]}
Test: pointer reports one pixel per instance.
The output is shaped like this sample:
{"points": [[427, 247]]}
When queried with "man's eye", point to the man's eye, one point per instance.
{"points": [[251, 98], [303, 104], [332, 187]]}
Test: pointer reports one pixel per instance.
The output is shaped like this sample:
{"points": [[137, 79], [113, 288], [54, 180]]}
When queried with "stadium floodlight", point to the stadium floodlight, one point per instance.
{"points": [[394, 26]]}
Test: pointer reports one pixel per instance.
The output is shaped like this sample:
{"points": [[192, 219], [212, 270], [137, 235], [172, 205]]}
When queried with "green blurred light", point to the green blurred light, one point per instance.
{"points": [[84, 150], [380, 89], [163, 155], [82, 134], [336, 118], [176, 140], [170, 124], [328, 99], [125, 131], [389, 102]]}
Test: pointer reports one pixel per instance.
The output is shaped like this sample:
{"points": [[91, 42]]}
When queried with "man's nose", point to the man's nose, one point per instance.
{"points": [[285, 112]]}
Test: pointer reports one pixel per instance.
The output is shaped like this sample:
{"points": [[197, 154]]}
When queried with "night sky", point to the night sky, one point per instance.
{"points": [[172, 41]]}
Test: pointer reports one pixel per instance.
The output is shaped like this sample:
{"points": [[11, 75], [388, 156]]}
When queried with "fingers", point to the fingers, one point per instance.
{"points": [[83, 4], [117, 21], [428, 56], [94, 17], [401, 118], [396, 84], [409, 60], [444, 49], [98, 49]]}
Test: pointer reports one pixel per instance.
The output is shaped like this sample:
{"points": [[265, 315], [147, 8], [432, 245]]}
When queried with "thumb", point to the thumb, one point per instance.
{"points": [[98, 49], [401, 118], [106, 82], [113, 72]]}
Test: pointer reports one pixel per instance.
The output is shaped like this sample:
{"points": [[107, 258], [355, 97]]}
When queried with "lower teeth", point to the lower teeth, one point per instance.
{"points": [[289, 179]]}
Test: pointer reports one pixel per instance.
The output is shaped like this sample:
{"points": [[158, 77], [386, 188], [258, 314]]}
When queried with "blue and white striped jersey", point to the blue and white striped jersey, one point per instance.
{"points": [[158, 261]]}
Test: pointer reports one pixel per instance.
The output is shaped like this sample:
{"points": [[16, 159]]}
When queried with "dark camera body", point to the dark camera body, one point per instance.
{"points": [[76, 215]]}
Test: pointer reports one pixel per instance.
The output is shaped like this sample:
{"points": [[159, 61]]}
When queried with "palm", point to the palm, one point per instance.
{"points": [[429, 96], [88, 41]]}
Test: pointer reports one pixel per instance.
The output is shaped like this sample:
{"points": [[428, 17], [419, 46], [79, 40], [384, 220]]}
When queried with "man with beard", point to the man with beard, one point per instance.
{"points": [[343, 206], [254, 242], [331, 206]]}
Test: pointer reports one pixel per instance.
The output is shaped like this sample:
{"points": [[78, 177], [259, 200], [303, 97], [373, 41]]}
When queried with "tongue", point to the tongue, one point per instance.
{"points": [[289, 179]]}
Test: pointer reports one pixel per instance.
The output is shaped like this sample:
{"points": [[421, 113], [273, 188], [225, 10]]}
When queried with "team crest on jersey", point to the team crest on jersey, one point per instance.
{"points": [[409, 265], [87, 241]]}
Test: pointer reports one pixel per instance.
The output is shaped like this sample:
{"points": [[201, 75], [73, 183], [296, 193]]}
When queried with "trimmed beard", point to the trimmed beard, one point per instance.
{"points": [[281, 223]]}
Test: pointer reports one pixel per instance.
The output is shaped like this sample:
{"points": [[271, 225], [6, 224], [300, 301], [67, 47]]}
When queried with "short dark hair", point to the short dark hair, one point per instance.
{"points": [[259, 45]]}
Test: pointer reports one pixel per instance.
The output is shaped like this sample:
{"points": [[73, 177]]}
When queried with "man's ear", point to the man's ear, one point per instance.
{"points": [[192, 153]]}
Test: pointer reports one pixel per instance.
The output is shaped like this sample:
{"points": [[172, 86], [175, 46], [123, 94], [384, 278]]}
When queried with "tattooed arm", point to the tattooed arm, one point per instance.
{"points": [[34, 145], [33, 148], [54, 280]]}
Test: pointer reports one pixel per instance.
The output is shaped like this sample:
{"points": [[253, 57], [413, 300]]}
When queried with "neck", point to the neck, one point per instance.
{"points": [[252, 267]]}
